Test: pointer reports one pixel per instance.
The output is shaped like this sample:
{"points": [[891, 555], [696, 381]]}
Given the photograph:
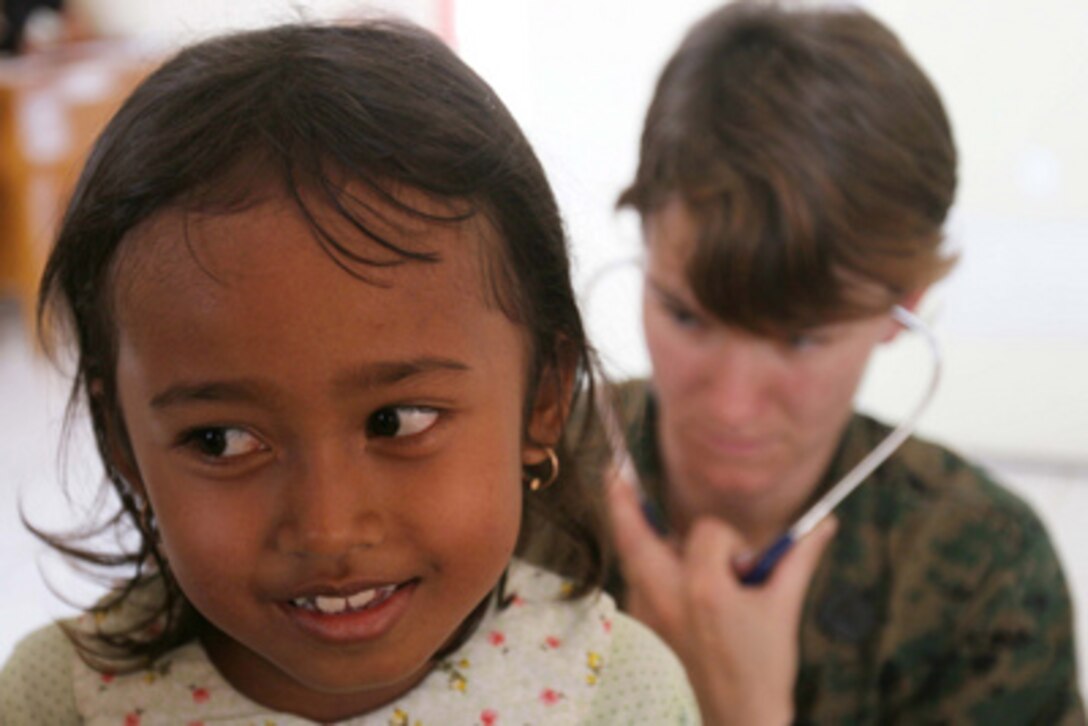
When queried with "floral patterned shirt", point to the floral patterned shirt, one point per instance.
{"points": [[541, 660]]}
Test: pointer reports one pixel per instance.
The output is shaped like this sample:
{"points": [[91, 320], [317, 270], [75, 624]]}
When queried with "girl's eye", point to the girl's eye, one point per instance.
{"points": [[399, 421], [223, 442]]}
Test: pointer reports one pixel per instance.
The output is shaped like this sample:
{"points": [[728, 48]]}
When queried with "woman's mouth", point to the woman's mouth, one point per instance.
{"points": [[732, 445]]}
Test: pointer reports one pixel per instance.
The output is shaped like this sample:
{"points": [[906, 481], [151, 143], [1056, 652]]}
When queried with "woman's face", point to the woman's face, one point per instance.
{"points": [[334, 465], [744, 419]]}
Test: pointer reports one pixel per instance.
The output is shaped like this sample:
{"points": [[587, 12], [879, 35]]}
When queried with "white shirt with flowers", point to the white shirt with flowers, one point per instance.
{"points": [[541, 660]]}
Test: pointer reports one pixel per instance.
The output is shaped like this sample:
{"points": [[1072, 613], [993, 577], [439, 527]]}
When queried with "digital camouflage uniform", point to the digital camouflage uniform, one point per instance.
{"points": [[940, 600]]}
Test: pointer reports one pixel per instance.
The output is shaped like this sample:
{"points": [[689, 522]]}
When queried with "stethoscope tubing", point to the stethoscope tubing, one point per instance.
{"points": [[825, 505]]}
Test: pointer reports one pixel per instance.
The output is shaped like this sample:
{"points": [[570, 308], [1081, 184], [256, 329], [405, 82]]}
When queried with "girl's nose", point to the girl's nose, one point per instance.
{"points": [[330, 507]]}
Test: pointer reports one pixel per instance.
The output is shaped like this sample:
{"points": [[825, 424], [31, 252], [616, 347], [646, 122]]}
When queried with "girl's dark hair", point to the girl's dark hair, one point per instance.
{"points": [[311, 109], [813, 154]]}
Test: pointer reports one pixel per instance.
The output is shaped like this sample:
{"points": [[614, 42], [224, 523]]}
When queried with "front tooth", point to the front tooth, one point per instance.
{"points": [[331, 605], [361, 599]]}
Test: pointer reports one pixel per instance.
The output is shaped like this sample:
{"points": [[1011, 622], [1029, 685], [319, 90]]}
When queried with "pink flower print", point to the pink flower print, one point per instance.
{"points": [[108, 678], [201, 695], [518, 600], [607, 625], [496, 637], [550, 696], [132, 719], [552, 642], [489, 717]]}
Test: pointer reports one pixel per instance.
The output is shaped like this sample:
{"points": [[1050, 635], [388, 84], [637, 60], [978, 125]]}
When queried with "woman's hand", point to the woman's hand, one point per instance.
{"points": [[739, 644]]}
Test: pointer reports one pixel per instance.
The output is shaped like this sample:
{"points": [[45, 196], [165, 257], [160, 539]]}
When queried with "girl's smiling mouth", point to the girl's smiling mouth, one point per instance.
{"points": [[334, 604], [353, 616]]}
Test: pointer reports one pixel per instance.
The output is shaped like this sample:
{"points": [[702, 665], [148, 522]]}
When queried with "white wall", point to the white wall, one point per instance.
{"points": [[1015, 315], [180, 22]]}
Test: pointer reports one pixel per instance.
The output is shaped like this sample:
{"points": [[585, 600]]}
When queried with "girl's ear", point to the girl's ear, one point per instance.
{"points": [[551, 405]]}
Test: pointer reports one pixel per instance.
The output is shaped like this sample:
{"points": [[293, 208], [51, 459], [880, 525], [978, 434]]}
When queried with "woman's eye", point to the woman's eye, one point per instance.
{"points": [[682, 316], [223, 442], [804, 340], [398, 421]]}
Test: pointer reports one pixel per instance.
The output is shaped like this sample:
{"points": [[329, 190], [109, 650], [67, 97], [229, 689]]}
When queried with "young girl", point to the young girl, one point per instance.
{"points": [[320, 293]]}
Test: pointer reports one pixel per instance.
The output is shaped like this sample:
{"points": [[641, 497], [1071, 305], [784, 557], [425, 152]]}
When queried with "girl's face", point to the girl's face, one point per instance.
{"points": [[335, 466], [747, 423]]}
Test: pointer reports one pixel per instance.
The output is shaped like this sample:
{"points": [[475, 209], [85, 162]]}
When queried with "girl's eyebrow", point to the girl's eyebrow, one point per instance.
{"points": [[245, 390], [386, 373], [198, 391]]}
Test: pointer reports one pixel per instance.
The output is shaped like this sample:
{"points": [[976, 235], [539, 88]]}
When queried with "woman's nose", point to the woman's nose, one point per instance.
{"points": [[736, 377], [331, 505]]}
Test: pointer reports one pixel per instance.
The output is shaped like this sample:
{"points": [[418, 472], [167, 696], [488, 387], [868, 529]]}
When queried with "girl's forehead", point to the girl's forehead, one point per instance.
{"points": [[370, 238], [256, 290]]}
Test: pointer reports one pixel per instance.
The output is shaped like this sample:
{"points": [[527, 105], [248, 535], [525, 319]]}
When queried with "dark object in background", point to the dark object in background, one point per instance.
{"points": [[14, 15]]}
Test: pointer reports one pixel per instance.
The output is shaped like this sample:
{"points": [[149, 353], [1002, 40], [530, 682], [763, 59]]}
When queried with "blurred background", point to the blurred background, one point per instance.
{"points": [[1013, 317]]}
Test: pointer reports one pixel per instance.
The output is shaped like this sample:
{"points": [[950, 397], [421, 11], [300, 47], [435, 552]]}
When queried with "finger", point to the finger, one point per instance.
{"points": [[647, 562], [710, 547], [794, 572], [713, 600]]}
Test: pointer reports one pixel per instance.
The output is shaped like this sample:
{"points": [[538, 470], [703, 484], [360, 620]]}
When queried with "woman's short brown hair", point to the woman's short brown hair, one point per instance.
{"points": [[814, 154]]}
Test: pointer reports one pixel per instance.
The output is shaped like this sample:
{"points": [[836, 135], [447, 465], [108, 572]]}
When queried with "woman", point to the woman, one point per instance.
{"points": [[795, 172]]}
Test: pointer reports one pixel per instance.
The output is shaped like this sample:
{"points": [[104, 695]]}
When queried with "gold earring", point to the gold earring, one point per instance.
{"points": [[535, 482]]}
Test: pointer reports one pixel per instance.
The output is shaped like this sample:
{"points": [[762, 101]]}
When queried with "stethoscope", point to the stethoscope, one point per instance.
{"points": [[764, 562]]}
